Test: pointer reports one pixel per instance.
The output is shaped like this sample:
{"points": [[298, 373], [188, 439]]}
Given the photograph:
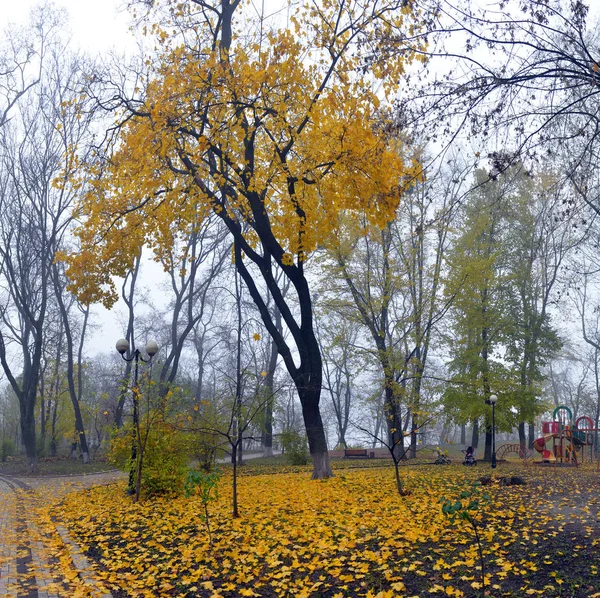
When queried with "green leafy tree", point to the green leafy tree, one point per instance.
{"points": [[479, 280], [539, 238]]}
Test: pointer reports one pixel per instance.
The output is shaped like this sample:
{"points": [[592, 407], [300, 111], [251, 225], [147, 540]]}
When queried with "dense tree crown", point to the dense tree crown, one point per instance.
{"points": [[275, 130]]}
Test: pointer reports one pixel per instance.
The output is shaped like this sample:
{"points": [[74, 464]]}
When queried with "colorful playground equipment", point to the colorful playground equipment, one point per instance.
{"points": [[562, 440]]}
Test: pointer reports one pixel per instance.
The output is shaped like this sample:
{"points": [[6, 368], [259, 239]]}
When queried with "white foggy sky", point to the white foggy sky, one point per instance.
{"points": [[97, 26]]}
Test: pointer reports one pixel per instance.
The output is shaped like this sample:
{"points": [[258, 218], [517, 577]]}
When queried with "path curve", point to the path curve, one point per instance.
{"points": [[27, 567]]}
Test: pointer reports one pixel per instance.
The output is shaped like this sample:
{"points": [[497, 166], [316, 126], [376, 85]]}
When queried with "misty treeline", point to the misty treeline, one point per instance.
{"points": [[485, 281]]}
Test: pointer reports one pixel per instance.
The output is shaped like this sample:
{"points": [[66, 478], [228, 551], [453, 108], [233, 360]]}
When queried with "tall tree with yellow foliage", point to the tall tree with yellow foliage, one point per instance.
{"points": [[276, 129]]}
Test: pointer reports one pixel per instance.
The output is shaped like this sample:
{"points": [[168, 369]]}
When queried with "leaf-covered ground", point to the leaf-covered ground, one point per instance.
{"points": [[351, 535]]}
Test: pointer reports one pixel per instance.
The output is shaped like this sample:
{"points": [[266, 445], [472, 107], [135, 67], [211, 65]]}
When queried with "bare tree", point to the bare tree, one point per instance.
{"points": [[193, 270], [22, 55], [69, 306], [338, 342], [520, 78], [35, 213], [590, 327]]}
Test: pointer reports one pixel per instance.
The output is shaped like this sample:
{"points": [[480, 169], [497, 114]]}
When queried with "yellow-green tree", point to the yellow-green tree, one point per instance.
{"points": [[479, 282], [276, 129]]}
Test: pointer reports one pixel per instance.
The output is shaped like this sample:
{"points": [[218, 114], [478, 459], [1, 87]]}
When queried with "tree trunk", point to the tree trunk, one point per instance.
{"points": [[399, 485], [53, 442], [270, 399], [235, 512], [393, 417], [317, 443], [522, 438], [531, 436], [475, 435], [308, 376], [28, 437], [138, 476], [43, 420], [413, 438], [487, 456]]}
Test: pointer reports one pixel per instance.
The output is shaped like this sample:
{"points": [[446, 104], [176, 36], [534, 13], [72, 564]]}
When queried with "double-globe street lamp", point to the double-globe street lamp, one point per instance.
{"points": [[122, 347], [492, 401]]}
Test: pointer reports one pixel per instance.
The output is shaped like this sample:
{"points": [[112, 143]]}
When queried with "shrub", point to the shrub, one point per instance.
{"points": [[295, 447], [7, 449], [165, 462], [165, 453]]}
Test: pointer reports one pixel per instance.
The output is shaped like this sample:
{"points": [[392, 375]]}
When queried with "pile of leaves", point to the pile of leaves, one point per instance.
{"points": [[351, 535]]}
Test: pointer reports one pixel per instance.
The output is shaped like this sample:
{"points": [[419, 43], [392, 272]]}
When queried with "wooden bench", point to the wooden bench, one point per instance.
{"points": [[356, 454]]}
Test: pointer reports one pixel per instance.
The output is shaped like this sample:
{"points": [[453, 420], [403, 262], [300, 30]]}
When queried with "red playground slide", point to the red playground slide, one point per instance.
{"points": [[540, 446]]}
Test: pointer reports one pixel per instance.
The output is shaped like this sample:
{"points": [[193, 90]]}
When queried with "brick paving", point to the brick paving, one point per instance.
{"points": [[8, 539], [26, 570]]}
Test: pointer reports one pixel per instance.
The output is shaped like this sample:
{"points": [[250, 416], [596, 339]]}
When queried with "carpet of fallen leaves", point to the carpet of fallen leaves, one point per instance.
{"points": [[351, 535]]}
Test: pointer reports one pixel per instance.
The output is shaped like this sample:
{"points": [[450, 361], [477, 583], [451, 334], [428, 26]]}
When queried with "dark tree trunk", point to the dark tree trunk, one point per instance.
{"points": [[235, 511], [487, 456], [307, 376], [393, 417], [413, 438], [238, 424], [28, 435], [475, 435], [522, 438], [531, 436], [315, 432], [43, 418], [53, 431]]}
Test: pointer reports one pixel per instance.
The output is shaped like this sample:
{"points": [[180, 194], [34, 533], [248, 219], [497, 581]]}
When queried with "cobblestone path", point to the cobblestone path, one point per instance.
{"points": [[41, 561]]}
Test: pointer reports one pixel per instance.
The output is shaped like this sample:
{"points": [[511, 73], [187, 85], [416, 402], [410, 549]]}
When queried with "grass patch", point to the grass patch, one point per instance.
{"points": [[59, 466]]}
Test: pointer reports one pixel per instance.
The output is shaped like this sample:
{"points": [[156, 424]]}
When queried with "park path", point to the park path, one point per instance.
{"points": [[37, 557]]}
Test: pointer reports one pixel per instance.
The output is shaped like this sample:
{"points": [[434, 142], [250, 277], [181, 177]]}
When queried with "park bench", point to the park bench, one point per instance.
{"points": [[356, 454]]}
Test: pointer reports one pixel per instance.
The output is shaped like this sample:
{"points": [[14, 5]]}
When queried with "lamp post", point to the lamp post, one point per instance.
{"points": [[122, 347], [492, 401]]}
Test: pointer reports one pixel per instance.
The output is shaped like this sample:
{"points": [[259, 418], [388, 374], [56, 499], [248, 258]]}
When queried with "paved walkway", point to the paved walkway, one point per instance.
{"points": [[37, 560]]}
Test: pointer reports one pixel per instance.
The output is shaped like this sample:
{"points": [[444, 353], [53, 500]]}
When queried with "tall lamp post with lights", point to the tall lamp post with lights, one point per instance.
{"points": [[492, 401], [122, 347]]}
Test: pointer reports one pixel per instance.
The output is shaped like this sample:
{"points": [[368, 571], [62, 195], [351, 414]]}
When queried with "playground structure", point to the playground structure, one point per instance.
{"points": [[562, 439], [521, 451]]}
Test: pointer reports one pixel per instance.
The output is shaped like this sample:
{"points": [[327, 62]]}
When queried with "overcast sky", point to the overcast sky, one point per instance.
{"points": [[96, 24]]}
